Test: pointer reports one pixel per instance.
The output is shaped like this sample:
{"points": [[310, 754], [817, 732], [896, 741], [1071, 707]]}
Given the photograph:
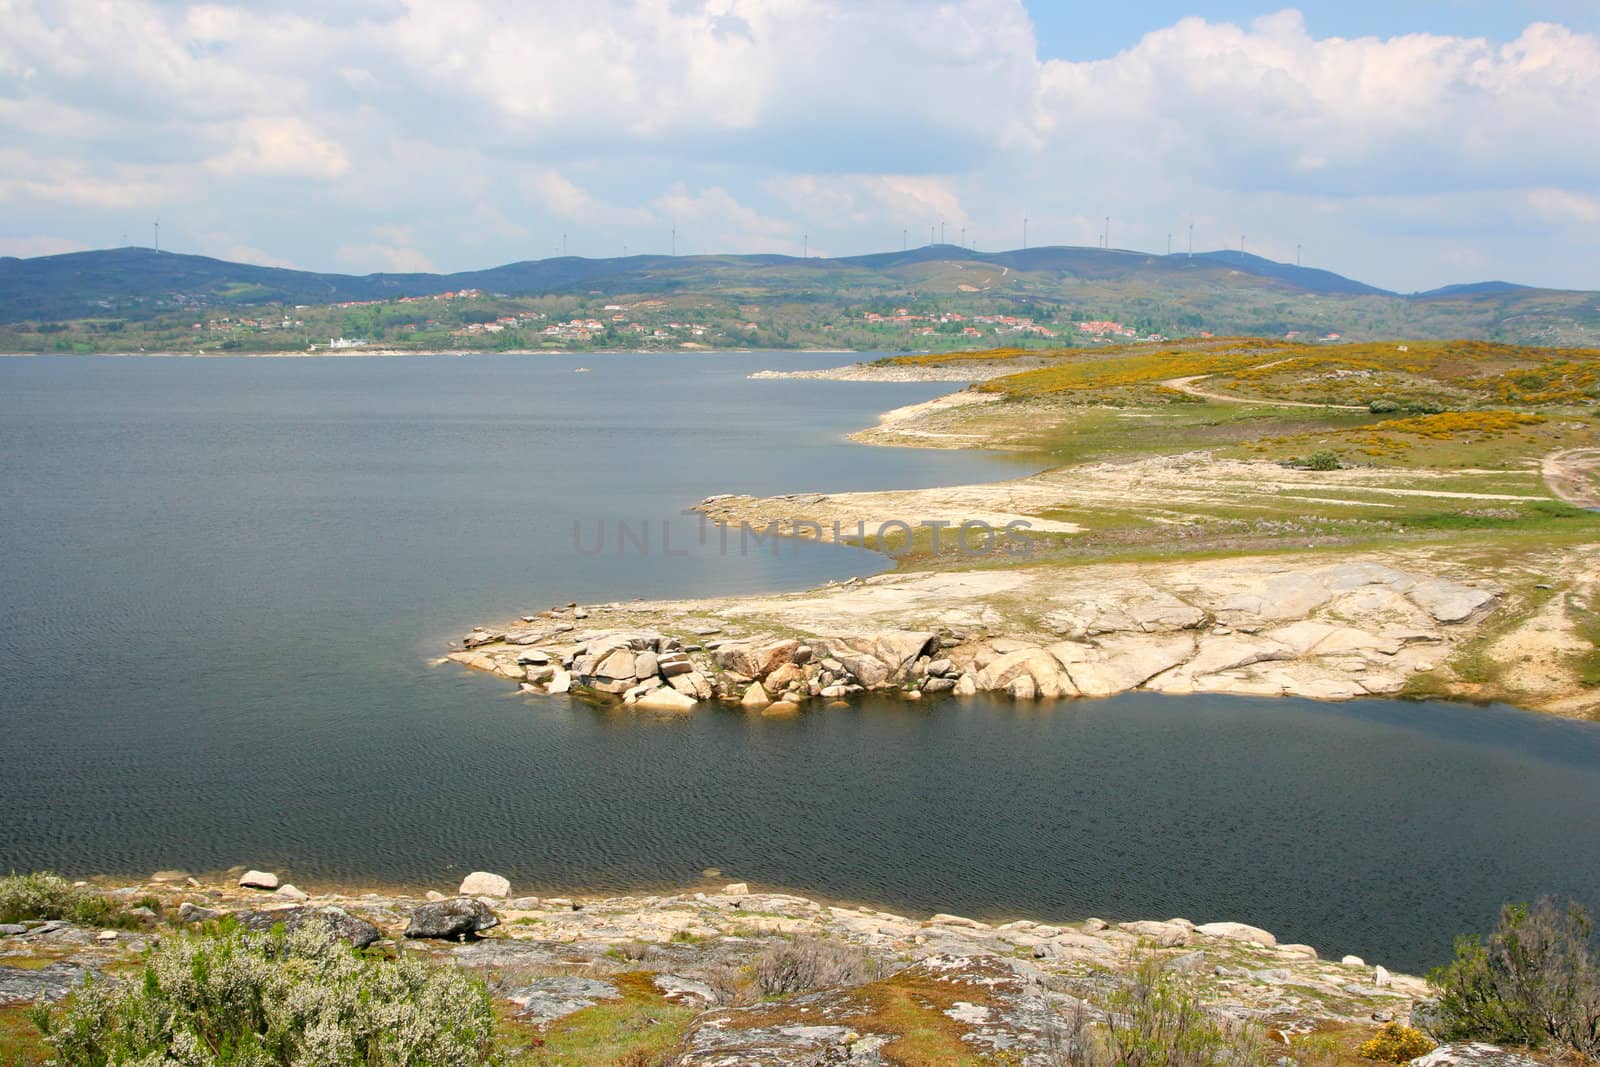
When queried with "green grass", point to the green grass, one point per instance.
{"points": [[642, 1023]]}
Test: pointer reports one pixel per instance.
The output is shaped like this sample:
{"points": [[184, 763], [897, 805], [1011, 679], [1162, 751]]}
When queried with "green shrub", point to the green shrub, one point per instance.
{"points": [[1153, 1021], [1533, 980], [1383, 406], [1396, 1043], [263, 1000], [1326, 460], [42, 895]]}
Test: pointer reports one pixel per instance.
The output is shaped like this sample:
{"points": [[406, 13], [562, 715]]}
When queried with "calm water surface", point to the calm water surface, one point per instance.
{"points": [[222, 582]]}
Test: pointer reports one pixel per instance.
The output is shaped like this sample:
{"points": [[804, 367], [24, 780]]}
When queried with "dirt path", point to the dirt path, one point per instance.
{"points": [[1186, 385], [1571, 475]]}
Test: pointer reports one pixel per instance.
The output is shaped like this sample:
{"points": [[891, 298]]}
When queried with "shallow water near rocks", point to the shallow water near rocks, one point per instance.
{"points": [[224, 582]]}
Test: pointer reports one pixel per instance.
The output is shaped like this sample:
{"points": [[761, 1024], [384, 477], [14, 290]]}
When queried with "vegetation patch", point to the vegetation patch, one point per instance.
{"points": [[256, 1000], [45, 896]]}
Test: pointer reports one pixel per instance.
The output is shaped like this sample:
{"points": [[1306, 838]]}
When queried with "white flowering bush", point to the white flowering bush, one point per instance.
{"points": [[268, 1000]]}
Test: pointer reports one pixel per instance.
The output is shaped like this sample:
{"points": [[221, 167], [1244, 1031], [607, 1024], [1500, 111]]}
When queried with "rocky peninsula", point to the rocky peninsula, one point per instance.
{"points": [[1325, 629], [1453, 565]]}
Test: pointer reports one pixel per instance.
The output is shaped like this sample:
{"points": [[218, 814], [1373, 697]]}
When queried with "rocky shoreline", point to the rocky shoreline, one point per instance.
{"points": [[1257, 627], [995, 987]]}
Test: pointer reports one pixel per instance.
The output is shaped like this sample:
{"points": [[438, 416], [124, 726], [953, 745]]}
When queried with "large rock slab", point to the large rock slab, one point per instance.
{"points": [[1119, 664], [345, 926], [454, 919], [549, 999], [50, 983], [899, 649], [1038, 667], [1449, 601], [1238, 932], [1472, 1054]]}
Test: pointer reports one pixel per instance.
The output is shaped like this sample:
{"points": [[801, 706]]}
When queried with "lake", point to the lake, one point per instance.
{"points": [[225, 583]]}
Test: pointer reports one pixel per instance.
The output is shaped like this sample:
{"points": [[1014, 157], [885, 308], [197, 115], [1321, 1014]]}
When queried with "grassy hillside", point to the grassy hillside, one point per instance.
{"points": [[131, 299]]}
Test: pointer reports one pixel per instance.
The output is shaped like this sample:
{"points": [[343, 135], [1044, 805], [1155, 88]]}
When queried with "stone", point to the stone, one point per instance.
{"points": [[1188, 963], [169, 877], [617, 666], [1472, 1054], [666, 698], [1449, 601], [1305, 952], [645, 665], [966, 686], [485, 884], [12, 929], [1380, 977], [785, 676], [482, 637], [458, 918], [194, 913], [434, 894], [680, 990], [939, 685], [291, 892], [106, 936], [755, 697], [1165, 935], [1353, 961], [560, 682], [899, 649], [534, 658], [344, 926], [1238, 932], [258, 880], [780, 708], [870, 671], [693, 684], [671, 664], [756, 662], [737, 889]]}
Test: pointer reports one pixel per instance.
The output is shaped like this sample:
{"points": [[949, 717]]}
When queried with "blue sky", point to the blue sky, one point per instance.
{"points": [[1410, 144], [1092, 31]]}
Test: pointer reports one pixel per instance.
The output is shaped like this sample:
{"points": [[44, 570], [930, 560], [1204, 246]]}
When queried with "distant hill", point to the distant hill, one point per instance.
{"points": [[1473, 289], [79, 284], [1218, 290]]}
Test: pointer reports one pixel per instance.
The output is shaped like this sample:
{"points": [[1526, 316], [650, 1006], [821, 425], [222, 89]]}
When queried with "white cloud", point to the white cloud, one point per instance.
{"points": [[392, 251], [884, 201], [1269, 107], [306, 125], [279, 146], [1562, 207], [713, 220]]}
